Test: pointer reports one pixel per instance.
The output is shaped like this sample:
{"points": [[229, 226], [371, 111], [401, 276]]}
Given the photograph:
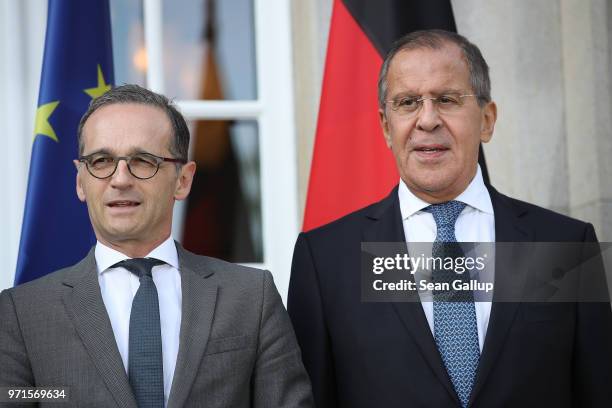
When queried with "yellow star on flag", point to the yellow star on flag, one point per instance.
{"points": [[101, 88], [41, 124]]}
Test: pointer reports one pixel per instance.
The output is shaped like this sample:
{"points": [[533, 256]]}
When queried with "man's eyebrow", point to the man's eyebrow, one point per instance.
{"points": [[447, 91], [405, 94], [137, 150], [110, 152], [452, 92], [100, 151], [143, 151]]}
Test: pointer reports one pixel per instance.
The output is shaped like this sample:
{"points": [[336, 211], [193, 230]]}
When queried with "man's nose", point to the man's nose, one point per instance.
{"points": [[428, 118], [122, 176]]}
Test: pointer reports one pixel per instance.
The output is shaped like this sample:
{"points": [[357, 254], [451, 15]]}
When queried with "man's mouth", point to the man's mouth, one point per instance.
{"points": [[123, 203], [431, 148], [430, 153]]}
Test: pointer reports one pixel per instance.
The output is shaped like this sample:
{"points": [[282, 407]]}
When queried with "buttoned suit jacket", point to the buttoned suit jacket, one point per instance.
{"points": [[361, 354], [236, 347]]}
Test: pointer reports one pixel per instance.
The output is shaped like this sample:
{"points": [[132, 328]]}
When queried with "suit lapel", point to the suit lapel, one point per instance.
{"points": [[86, 309], [387, 226], [199, 291], [509, 282]]}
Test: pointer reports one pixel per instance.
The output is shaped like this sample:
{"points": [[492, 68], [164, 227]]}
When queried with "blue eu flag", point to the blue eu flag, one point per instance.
{"points": [[77, 67]]}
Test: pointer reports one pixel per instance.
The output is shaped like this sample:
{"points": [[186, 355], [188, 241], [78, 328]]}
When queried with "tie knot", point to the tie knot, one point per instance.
{"points": [[446, 214], [139, 266]]}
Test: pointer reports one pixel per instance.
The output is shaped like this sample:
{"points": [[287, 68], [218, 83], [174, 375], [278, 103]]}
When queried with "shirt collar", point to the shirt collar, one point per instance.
{"points": [[107, 257], [475, 195]]}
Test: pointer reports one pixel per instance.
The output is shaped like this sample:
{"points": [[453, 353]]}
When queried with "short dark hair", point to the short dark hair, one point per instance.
{"points": [[129, 93], [436, 39]]}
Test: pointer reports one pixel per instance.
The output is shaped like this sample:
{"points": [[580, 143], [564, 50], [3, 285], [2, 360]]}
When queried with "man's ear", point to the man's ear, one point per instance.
{"points": [[384, 124], [79, 187], [184, 180], [489, 116]]}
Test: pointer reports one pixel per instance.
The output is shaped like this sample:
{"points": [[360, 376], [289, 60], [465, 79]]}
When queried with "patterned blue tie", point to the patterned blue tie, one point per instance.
{"points": [[145, 363], [455, 329]]}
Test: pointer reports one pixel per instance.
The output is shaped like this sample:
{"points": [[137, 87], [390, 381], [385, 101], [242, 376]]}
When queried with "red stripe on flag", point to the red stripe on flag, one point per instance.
{"points": [[351, 165]]}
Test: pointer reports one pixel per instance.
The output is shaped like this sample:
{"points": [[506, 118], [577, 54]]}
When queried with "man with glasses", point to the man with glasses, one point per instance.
{"points": [[435, 109], [140, 321]]}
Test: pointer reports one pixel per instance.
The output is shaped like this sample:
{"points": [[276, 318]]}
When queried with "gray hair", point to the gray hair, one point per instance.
{"points": [[437, 39], [179, 146]]}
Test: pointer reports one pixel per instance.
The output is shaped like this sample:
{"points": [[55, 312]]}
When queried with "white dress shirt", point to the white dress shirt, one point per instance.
{"points": [[118, 287], [475, 224]]}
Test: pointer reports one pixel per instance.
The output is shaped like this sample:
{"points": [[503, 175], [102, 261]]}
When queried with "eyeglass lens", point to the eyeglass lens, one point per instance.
{"points": [[142, 166]]}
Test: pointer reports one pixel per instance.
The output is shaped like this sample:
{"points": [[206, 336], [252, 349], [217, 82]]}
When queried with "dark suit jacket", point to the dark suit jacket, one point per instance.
{"points": [[384, 355], [236, 347]]}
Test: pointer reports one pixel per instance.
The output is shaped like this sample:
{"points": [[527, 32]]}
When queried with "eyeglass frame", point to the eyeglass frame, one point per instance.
{"points": [[435, 99], [159, 160]]}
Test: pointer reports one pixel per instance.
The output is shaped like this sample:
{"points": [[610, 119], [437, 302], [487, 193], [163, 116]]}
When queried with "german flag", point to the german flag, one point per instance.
{"points": [[351, 165]]}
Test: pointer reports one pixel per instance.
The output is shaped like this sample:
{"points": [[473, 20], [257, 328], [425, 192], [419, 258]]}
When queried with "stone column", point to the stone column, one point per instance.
{"points": [[586, 33]]}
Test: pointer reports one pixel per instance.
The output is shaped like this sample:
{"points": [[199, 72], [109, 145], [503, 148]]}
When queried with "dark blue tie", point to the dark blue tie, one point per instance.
{"points": [[455, 329], [145, 364]]}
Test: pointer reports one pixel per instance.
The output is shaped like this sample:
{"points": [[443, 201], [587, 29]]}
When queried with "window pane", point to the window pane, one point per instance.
{"points": [[129, 53], [223, 211], [209, 49]]}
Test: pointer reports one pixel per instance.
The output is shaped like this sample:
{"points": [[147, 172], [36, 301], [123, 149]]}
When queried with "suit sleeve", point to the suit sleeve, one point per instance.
{"points": [[593, 346], [279, 378], [15, 367], [307, 314]]}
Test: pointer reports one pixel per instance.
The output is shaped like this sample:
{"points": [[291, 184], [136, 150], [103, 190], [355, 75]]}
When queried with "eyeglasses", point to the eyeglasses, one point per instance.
{"points": [[141, 165], [447, 103]]}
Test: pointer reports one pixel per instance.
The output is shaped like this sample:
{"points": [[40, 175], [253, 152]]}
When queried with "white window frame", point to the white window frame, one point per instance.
{"points": [[274, 112]]}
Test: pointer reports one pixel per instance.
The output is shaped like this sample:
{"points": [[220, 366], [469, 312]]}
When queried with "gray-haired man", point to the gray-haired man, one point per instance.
{"points": [[435, 110]]}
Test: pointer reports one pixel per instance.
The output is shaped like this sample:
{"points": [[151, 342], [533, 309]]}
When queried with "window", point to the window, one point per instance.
{"points": [[228, 65]]}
